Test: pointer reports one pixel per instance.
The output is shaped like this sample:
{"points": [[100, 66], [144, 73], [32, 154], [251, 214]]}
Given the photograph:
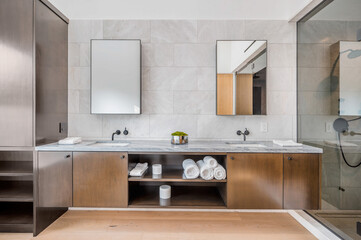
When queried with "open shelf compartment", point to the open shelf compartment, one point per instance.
{"points": [[185, 193], [172, 170], [16, 191], [16, 217], [182, 195]]}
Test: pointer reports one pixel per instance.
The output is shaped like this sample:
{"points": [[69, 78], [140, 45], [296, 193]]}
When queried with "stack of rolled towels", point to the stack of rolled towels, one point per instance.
{"points": [[208, 168]]}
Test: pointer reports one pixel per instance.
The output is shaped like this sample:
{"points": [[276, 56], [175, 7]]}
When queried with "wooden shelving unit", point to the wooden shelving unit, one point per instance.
{"points": [[171, 175], [186, 193], [16, 191]]}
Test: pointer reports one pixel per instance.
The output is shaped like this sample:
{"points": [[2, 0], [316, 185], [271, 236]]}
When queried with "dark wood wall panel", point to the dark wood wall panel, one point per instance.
{"points": [[51, 34], [16, 73]]}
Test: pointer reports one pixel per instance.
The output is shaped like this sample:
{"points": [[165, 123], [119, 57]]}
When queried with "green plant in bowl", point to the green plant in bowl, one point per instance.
{"points": [[179, 134]]}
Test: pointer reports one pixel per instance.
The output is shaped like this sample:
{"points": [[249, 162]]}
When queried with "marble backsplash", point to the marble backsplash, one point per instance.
{"points": [[178, 74]]}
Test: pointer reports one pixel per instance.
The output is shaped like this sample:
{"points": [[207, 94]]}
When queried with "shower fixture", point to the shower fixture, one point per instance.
{"points": [[341, 126]]}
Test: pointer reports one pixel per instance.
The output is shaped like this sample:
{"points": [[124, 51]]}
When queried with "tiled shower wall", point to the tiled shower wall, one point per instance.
{"points": [[179, 78], [314, 85], [314, 109]]}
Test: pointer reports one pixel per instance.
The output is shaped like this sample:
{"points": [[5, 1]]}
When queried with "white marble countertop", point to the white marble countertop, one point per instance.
{"points": [[165, 146]]}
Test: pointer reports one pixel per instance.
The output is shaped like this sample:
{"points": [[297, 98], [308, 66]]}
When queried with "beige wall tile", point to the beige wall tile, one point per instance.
{"points": [[127, 29], [173, 31]]}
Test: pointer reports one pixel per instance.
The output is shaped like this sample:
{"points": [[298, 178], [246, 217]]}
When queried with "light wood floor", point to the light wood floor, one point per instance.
{"points": [[149, 225]]}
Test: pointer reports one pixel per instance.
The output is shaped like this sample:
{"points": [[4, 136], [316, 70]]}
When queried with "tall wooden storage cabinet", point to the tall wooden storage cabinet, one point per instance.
{"points": [[33, 100]]}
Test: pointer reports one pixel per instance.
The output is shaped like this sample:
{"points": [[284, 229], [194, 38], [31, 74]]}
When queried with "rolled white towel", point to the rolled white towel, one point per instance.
{"points": [[191, 170], [205, 171], [139, 170], [210, 161], [220, 173]]}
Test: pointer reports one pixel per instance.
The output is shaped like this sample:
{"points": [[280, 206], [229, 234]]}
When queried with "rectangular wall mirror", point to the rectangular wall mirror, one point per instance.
{"points": [[115, 76], [241, 77], [346, 78]]}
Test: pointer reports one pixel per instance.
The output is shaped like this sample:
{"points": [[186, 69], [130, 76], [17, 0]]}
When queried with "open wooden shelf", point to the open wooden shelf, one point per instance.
{"points": [[16, 191], [16, 168], [16, 217], [182, 196], [170, 175]]}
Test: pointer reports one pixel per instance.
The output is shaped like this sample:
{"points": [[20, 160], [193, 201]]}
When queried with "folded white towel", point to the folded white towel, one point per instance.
{"points": [[205, 171], [220, 173], [210, 161], [287, 143], [70, 140], [139, 170], [191, 170]]}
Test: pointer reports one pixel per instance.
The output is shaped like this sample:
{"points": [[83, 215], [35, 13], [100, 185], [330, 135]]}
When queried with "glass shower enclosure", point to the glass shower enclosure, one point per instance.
{"points": [[328, 88]]}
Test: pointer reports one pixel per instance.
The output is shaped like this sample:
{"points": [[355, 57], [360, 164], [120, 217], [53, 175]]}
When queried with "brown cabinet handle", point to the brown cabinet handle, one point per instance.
{"points": [[122, 156], [67, 156], [290, 158], [232, 158]]}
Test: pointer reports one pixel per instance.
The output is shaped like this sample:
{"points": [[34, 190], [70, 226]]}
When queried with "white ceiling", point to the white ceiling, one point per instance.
{"points": [[180, 9], [347, 10]]}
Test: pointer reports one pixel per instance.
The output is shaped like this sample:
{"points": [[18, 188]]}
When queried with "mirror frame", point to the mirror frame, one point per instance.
{"points": [[267, 65], [140, 77]]}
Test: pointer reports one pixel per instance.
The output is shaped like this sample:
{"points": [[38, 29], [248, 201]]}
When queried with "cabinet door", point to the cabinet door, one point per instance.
{"points": [[100, 179], [51, 74], [255, 181], [55, 179], [302, 181], [16, 73]]}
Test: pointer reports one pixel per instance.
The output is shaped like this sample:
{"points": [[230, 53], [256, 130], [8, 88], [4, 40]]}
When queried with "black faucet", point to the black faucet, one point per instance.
{"points": [[117, 133], [245, 133]]}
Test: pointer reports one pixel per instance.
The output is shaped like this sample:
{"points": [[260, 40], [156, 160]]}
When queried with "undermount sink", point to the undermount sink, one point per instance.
{"points": [[110, 144], [245, 145]]}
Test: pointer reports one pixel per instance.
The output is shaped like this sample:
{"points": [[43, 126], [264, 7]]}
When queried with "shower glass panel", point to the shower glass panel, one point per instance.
{"points": [[329, 87]]}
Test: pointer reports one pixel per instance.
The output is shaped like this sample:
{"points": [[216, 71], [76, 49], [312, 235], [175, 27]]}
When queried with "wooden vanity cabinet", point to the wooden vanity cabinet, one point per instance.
{"points": [[273, 181], [302, 182], [255, 181], [55, 179], [100, 179]]}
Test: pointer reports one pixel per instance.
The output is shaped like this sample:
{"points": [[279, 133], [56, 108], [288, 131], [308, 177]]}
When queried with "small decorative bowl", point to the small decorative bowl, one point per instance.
{"points": [[178, 140]]}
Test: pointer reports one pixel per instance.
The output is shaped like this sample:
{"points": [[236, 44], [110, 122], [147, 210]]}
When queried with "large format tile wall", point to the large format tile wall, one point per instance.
{"points": [[314, 109], [179, 78], [314, 67]]}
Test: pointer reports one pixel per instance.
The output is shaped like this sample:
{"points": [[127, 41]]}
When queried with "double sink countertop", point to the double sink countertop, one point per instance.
{"points": [[163, 146]]}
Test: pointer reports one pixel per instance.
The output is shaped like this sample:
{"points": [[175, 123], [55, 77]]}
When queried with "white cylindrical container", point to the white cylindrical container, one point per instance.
{"points": [[157, 169], [164, 192]]}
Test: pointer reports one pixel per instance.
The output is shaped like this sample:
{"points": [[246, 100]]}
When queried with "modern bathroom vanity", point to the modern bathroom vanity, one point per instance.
{"points": [[95, 175]]}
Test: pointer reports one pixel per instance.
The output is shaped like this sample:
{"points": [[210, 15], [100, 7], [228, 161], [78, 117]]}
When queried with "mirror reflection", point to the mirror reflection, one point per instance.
{"points": [[115, 76], [241, 77], [346, 78]]}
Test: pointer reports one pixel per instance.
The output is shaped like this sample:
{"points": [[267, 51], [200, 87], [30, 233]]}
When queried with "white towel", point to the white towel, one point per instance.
{"points": [[220, 173], [210, 161], [287, 143], [70, 140], [205, 171], [191, 170], [139, 170]]}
